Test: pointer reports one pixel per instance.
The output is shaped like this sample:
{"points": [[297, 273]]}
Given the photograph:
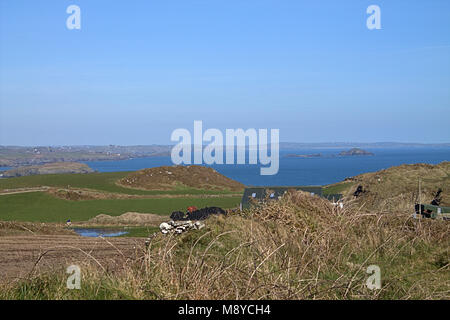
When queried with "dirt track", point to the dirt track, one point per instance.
{"points": [[22, 190], [88, 194], [22, 255]]}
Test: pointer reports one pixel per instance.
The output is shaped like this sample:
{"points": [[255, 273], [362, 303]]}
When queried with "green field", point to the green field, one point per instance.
{"points": [[337, 188], [104, 181], [42, 207], [139, 232]]}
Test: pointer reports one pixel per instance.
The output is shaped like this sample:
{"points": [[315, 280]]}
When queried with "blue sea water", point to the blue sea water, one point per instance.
{"points": [[301, 171]]}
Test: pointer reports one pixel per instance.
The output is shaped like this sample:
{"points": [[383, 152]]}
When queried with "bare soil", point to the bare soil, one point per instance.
{"points": [[24, 256], [129, 219]]}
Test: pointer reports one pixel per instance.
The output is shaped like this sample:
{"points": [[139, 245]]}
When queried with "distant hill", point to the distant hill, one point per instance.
{"points": [[14, 156], [49, 168], [172, 177]]}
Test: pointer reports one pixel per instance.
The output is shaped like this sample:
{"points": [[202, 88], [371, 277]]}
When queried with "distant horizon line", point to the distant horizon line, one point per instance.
{"points": [[281, 143]]}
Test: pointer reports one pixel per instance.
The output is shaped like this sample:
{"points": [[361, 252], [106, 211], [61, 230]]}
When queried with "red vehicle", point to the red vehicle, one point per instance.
{"points": [[191, 209]]}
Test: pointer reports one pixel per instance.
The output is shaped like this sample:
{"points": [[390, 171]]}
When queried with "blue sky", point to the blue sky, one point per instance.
{"points": [[137, 70]]}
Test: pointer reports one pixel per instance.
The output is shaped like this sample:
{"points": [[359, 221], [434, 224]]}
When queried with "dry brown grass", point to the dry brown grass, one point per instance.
{"points": [[129, 219], [172, 177], [397, 188], [300, 247], [10, 228]]}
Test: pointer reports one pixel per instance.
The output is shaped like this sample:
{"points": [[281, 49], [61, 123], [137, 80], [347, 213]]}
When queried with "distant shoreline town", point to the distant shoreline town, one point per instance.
{"points": [[14, 156]]}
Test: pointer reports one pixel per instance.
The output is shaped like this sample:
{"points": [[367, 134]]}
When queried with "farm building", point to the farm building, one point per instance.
{"points": [[261, 193]]}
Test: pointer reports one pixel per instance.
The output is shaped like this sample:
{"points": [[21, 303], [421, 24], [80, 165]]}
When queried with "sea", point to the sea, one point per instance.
{"points": [[327, 169]]}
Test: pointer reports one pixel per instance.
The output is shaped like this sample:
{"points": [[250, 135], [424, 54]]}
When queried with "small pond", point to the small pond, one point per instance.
{"points": [[97, 232]]}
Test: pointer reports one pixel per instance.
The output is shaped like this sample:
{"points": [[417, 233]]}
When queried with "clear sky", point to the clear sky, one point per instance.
{"points": [[139, 69]]}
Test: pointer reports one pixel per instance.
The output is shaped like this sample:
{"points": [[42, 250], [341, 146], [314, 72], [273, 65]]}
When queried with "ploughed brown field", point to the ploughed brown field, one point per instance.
{"points": [[22, 256]]}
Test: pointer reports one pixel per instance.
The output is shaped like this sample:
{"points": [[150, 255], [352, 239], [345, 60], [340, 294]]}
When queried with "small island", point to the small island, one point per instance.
{"points": [[293, 155], [356, 152]]}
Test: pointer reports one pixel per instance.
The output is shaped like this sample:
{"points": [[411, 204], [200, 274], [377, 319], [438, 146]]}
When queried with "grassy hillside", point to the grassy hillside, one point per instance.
{"points": [[397, 188], [80, 197], [42, 207], [300, 247]]}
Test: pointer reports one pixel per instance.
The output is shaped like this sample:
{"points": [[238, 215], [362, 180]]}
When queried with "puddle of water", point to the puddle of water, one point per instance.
{"points": [[94, 232]]}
